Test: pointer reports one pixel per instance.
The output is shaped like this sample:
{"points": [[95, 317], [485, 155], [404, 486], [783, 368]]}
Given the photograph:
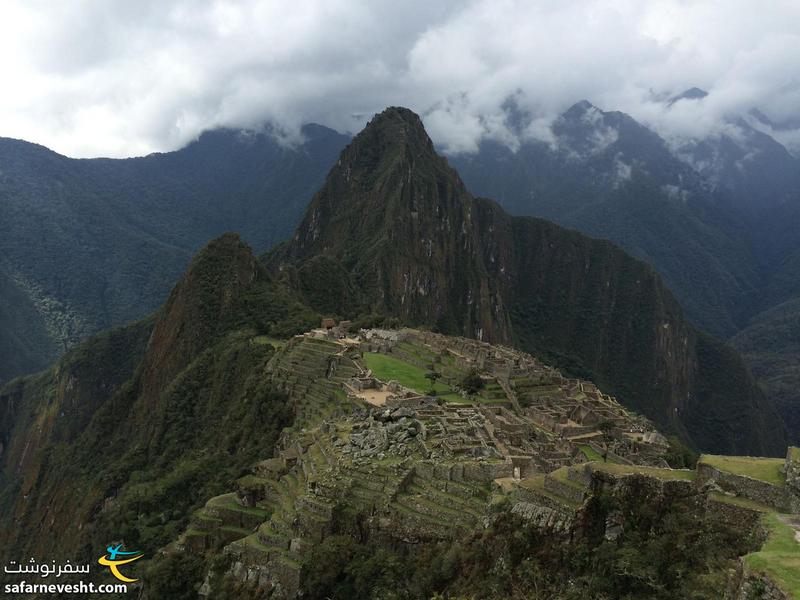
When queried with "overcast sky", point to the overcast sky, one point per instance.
{"points": [[122, 78]]}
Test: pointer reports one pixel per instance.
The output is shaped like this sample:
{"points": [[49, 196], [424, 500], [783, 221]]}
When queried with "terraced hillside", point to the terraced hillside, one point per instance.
{"points": [[408, 468], [251, 463]]}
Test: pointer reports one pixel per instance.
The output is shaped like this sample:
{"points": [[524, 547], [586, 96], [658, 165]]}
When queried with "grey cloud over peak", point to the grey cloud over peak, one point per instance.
{"points": [[120, 78]]}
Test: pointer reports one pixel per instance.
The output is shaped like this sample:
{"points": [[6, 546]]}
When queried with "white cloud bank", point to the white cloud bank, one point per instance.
{"points": [[120, 78]]}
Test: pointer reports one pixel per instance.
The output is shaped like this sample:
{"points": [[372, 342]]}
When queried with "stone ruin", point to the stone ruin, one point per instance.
{"points": [[420, 469], [330, 329], [540, 417]]}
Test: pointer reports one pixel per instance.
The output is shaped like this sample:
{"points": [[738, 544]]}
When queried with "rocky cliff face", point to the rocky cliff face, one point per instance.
{"points": [[394, 231], [397, 223]]}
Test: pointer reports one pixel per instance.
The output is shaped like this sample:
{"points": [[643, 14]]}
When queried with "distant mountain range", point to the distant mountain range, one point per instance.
{"points": [[89, 244]]}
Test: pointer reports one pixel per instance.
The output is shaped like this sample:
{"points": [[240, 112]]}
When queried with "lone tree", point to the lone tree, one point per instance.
{"points": [[607, 428], [472, 383], [433, 376]]}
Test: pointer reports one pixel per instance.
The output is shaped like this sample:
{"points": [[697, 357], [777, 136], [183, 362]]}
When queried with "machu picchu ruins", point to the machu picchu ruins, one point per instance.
{"points": [[418, 437]]}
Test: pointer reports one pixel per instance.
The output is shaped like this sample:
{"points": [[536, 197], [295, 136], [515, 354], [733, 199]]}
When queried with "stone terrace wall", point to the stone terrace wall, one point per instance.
{"points": [[747, 519], [475, 472], [778, 497], [744, 585], [793, 469]]}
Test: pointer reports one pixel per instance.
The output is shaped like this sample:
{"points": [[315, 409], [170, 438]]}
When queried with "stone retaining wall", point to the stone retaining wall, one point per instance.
{"points": [[793, 469], [744, 585], [560, 488], [469, 472], [544, 517], [747, 518], [778, 497]]}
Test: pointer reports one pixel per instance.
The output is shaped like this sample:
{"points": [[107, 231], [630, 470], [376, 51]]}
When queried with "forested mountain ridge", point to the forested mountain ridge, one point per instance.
{"points": [[220, 446], [89, 244], [160, 413], [141, 433]]}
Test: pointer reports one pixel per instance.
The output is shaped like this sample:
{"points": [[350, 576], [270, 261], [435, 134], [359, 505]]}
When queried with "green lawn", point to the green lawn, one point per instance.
{"points": [[763, 469], [590, 453], [739, 501], [664, 474], [388, 368], [261, 340], [780, 555]]}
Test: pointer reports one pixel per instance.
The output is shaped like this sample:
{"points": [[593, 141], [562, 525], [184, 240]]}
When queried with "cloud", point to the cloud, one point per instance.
{"points": [[119, 78]]}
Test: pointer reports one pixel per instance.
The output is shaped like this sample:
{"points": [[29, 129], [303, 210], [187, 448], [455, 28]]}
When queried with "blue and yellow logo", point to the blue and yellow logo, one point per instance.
{"points": [[111, 561]]}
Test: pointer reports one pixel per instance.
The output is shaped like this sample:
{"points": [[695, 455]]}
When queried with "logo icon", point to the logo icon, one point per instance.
{"points": [[111, 561]]}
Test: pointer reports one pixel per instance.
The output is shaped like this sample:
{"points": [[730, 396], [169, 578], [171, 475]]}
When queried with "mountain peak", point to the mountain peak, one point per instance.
{"points": [[200, 303], [394, 127], [397, 114], [579, 109], [388, 174], [693, 93]]}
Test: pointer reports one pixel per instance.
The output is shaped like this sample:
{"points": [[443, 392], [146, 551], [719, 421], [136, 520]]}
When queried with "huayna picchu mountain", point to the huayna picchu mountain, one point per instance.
{"points": [[394, 232]]}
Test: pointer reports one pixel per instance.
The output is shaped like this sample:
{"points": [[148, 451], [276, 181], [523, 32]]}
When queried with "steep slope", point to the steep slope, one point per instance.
{"points": [[609, 176], [771, 347], [132, 430], [90, 244], [394, 232], [25, 342], [760, 179]]}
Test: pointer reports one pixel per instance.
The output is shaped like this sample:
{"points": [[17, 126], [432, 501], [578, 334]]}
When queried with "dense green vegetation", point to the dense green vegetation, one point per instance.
{"points": [[217, 418], [679, 455], [771, 347], [158, 431], [25, 343], [665, 552]]}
